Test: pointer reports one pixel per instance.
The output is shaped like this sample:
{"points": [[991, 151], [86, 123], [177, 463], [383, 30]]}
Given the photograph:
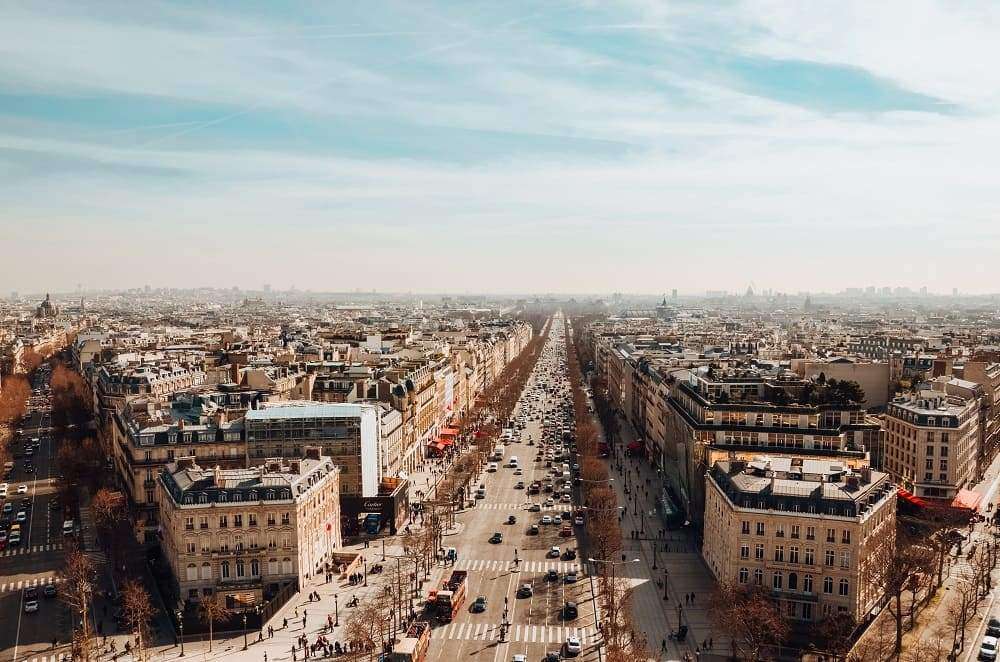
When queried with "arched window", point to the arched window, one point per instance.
{"points": [[793, 581], [758, 577], [206, 570], [224, 567], [807, 584], [777, 579], [241, 569], [192, 572], [272, 567], [254, 568], [286, 564], [844, 587], [744, 575], [828, 584]]}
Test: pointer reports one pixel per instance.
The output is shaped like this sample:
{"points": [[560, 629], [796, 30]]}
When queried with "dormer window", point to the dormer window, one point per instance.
{"points": [[223, 496]]}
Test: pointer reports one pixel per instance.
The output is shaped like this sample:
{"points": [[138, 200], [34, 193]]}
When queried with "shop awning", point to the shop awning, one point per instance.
{"points": [[443, 441], [449, 432], [634, 446], [911, 498], [438, 445], [967, 500]]}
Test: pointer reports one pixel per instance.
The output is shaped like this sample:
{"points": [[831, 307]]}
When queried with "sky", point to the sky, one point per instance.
{"points": [[549, 146]]}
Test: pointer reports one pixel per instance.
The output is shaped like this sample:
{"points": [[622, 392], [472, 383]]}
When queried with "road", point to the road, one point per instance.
{"points": [[36, 561], [537, 625]]}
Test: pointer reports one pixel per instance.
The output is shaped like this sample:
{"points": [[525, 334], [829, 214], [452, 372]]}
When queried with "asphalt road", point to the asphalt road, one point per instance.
{"points": [[537, 624], [36, 561]]}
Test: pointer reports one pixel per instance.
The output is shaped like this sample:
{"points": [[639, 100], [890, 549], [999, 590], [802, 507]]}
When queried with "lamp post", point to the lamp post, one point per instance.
{"points": [[383, 549], [244, 629], [336, 611], [365, 562], [180, 623], [665, 580]]}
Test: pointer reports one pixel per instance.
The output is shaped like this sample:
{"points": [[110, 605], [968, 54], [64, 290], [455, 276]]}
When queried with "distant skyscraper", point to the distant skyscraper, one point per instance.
{"points": [[954, 291], [673, 293], [923, 291]]}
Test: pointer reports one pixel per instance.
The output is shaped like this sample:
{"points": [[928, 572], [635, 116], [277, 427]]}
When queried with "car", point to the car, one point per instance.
{"points": [[570, 611], [518, 472], [492, 466], [30, 606], [511, 519], [68, 527], [519, 485], [533, 530], [31, 593], [552, 656], [551, 576], [15, 539], [519, 658], [29, 469], [572, 645], [534, 508], [524, 591], [566, 498], [496, 538], [570, 578], [553, 552], [49, 591], [988, 648], [21, 516], [565, 515], [550, 502], [569, 555], [578, 520], [22, 489], [8, 508], [479, 605], [566, 532], [993, 627], [546, 519], [3, 489]]}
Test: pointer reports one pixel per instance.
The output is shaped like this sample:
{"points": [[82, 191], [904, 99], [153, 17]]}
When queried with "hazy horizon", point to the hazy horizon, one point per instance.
{"points": [[521, 147]]}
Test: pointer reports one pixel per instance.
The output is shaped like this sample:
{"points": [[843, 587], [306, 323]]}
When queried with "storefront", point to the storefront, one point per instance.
{"points": [[392, 504]]}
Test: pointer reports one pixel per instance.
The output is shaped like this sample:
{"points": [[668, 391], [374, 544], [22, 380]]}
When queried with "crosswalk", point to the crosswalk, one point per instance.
{"points": [[523, 566], [61, 657], [521, 633], [28, 583], [33, 549], [558, 507]]}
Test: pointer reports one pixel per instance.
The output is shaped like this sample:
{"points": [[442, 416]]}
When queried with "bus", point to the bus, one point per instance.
{"points": [[373, 523], [413, 647]]}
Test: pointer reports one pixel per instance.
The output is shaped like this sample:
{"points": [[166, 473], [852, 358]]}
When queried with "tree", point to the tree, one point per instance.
{"points": [[368, 624], [71, 398], [212, 611], [108, 508], [962, 607], [138, 609], [77, 592], [894, 567], [750, 617]]}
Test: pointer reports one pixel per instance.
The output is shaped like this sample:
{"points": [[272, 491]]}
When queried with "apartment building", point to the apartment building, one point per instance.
{"points": [[350, 434], [809, 531], [238, 535], [932, 441]]}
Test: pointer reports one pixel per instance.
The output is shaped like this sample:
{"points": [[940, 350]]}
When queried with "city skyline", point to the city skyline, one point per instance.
{"points": [[560, 148]]}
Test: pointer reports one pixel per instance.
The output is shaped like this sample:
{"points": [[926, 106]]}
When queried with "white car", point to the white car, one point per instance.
{"points": [[546, 519], [519, 658], [573, 645], [492, 466], [988, 649], [3, 489], [30, 606], [554, 552], [22, 489], [566, 498]]}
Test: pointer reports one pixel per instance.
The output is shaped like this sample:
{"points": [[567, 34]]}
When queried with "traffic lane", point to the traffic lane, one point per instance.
{"points": [[40, 629], [30, 633], [10, 614]]}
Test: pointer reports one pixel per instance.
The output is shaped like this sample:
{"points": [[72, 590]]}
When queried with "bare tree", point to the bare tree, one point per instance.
{"points": [[894, 567], [368, 624], [750, 617], [78, 592], [138, 611], [213, 611], [108, 507]]}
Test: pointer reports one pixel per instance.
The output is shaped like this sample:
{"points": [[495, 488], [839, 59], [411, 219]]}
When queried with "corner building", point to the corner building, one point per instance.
{"points": [[806, 530]]}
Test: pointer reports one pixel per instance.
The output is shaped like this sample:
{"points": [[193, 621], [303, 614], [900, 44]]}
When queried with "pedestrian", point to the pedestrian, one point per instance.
{"points": [[284, 623], [709, 643], [265, 656], [663, 645], [692, 598]]}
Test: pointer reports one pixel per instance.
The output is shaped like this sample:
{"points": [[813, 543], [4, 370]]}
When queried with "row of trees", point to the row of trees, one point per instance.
{"points": [[622, 640]]}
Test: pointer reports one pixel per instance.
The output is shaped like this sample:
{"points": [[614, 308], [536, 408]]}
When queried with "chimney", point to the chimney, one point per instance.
{"points": [[866, 475], [312, 452], [295, 466]]}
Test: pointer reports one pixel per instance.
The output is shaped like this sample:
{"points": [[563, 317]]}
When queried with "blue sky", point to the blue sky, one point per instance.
{"points": [[520, 146]]}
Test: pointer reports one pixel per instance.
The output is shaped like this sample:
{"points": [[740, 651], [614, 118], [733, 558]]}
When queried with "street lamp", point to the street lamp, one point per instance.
{"points": [[244, 629], [365, 562], [180, 622], [336, 611]]}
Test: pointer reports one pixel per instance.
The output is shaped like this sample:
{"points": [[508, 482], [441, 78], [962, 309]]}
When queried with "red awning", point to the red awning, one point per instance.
{"points": [[449, 432], [439, 446], [967, 500], [634, 446], [442, 442], [911, 498]]}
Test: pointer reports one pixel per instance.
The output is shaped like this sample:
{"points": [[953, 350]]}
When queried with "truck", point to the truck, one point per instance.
{"points": [[413, 646], [373, 523], [450, 598]]}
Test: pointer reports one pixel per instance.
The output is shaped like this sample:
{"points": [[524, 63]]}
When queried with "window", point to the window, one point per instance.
{"points": [[203, 522], [779, 531], [807, 583], [286, 541], [844, 587], [795, 531], [744, 575], [272, 567], [238, 543], [776, 580], [845, 559], [206, 544], [224, 567], [828, 584], [845, 536], [810, 533], [758, 577], [929, 464], [744, 551], [745, 528], [272, 542], [828, 557], [285, 519], [223, 543], [930, 451], [192, 572], [189, 523], [241, 568], [944, 440], [206, 570], [270, 519], [286, 565], [831, 535], [779, 552], [793, 581], [191, 547], [810, 556], [943, 464], [223, 521], [807, 611], [758, 552], [238, 520], [254, 568], [793, 554], [252, 541], [251, 519]]}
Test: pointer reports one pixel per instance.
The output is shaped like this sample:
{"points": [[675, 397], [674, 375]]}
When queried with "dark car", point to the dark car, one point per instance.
{"points": [[570, 611], [569, 555], [993, 627], [496, 538], [551, 576], [479, 605], [552, 656], [533, 530], [49, 591], [511, 519]]}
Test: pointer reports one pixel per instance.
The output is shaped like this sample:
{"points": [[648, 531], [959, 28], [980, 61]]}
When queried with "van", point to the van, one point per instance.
{"points": [[68, 527], [513, 462]]}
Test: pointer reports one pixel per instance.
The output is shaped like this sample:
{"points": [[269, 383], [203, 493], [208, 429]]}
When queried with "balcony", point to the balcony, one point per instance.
{"points": [[789, 594]]}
